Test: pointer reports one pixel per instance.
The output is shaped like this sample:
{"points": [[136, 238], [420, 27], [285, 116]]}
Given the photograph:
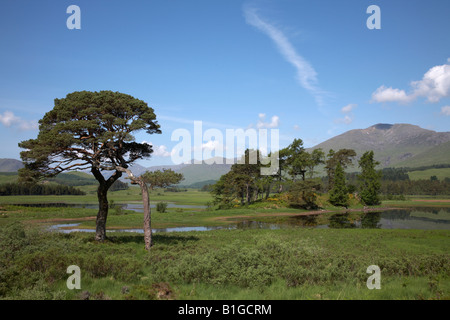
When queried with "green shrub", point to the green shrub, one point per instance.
{"points": [[161, 207]]}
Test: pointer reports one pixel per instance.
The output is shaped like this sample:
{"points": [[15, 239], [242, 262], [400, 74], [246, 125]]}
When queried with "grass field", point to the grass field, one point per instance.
{"points": [[190, 197], [441, 174], [288, 263], [227, 264]]}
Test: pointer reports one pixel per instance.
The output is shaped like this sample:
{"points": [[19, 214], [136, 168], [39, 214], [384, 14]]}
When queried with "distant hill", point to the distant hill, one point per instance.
{"points": [[197, 173], [10, 165], [395, 145]]}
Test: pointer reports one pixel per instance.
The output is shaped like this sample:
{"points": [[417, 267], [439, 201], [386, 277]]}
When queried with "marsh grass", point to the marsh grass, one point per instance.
{"points": [[226, 264]]}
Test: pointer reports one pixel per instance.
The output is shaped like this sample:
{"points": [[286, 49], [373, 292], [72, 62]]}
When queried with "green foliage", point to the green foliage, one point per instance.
{"points": [[303, 194], [224, 263], [369, 180], [14, 189], [89, 128], [119, 185], [416, 187], [161, 207], [339, 193], [394, 174], [75, 179], [162, 179], [31, 261], [343, 157], [241, 184]]}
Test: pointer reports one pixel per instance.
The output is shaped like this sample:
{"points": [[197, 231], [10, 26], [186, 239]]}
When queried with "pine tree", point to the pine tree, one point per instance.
{"points": [[339, 194], [369, 179]]}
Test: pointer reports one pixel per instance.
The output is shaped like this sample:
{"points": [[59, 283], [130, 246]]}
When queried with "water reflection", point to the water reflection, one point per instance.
{"points": [[308, 221], [341, 221], [413, 218], [371, 220]]}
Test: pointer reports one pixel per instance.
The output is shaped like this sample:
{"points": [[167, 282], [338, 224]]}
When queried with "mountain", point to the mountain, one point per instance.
{"points": [[197, 173], [395, 145], [10, 165]]}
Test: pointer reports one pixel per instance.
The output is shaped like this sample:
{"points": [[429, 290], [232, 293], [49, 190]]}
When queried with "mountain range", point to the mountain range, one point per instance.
{"points": [[394, 145]]}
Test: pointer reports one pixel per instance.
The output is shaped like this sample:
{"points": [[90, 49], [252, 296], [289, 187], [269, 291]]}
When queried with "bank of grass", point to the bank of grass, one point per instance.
{"points": [[131, 195], [440, 173], [226, 264]]}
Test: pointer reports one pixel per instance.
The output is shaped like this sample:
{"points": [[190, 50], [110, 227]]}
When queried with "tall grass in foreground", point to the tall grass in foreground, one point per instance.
{"points": [[226, 264]]}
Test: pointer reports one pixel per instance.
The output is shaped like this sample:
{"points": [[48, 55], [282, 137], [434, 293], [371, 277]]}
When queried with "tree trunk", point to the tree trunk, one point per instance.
{"points": [[268, 190], [100, 231], [102, 192], [146, 203], [147, 216]]}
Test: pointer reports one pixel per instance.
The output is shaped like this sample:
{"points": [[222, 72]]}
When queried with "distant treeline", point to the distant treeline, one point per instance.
{"points": [[119, 185], [414, 187], [423, 168], [16, 189], [395, 181]]}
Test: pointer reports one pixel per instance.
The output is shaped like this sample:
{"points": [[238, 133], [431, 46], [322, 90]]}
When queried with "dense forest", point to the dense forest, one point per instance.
{"points": [[16, 189]]}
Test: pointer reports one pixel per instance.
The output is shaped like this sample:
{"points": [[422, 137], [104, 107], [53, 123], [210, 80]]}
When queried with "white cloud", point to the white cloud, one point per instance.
{"points": [[296, 127], [210, 145], [349, 117], [8, 119], [346, 120], [348, 108], [159, 151], [383, 94], [434, 86], [306, 74], [274, 122], [445, 111]]}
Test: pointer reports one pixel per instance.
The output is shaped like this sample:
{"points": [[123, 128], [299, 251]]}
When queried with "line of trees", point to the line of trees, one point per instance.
{"points": [[395, 181], [20, 189], [244, 184]]}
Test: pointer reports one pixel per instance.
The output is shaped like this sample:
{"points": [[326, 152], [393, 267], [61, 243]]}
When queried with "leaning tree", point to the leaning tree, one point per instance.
{"points": [[94, 131]]}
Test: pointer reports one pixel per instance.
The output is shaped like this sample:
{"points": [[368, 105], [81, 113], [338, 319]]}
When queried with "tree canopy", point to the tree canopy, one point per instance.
{"points": [[90, 130], [369, 179], [162, 179]]}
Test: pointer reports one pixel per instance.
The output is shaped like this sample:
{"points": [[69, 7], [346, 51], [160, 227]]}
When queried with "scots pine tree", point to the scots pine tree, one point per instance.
{"points": [[369, 179], [339, 193]]}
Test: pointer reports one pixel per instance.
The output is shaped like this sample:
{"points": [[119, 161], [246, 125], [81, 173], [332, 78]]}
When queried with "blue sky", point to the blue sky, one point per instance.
{"points": [[311, 69]]}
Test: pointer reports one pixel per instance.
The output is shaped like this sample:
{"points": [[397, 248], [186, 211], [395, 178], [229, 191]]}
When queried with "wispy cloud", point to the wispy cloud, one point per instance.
{"points": [[306, 74], [274, 122], [9, 119], [434, 86], [159, 151], [347, 110], [445, 110]]}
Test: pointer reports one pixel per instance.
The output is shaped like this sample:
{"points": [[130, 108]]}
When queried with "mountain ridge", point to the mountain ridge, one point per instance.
{"points": [[394, 145]]}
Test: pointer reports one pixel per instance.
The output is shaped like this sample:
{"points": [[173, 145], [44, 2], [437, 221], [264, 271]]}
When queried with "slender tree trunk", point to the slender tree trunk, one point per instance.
{"points": [[268, 190], [146, 203], [102, 215], [147, 215]]}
